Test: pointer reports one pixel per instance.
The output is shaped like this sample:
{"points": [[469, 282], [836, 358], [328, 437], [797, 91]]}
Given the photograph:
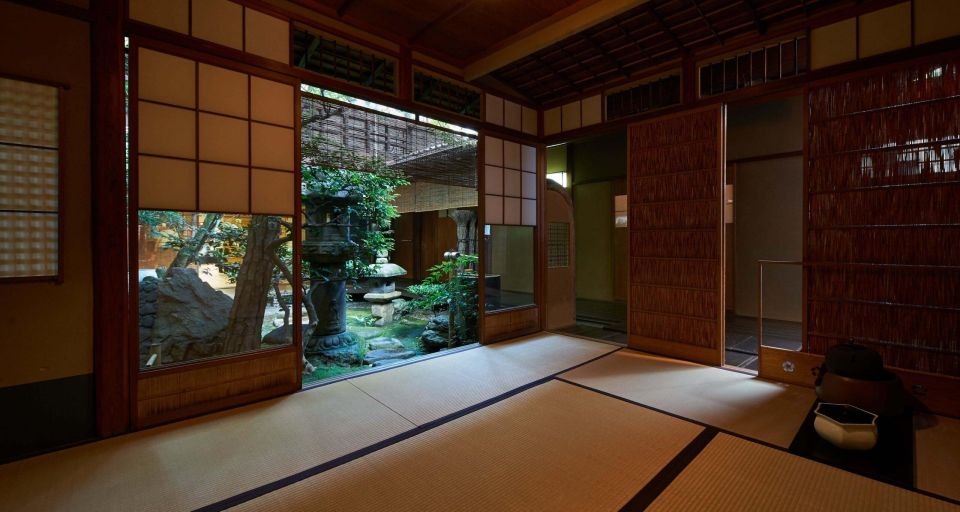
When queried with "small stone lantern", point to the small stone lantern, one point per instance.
{"points": [[383, 289]]}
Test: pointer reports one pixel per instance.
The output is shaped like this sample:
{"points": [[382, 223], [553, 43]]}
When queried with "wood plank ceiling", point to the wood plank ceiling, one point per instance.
{"points": [[457, 31], [619, 48], [644, 37]]}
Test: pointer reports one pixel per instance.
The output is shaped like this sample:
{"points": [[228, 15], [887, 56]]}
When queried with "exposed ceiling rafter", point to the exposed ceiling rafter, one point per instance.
{"points": [[443, 18], [706, 21], [757, 20], [666, 27]]}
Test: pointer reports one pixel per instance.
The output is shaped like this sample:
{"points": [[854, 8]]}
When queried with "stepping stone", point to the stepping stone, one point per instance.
{"points": [[385, 344], [380, 355], [385, 362]]}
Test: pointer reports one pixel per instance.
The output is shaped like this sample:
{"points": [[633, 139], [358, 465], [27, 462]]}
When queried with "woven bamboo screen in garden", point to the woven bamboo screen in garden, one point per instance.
{"points": [[883, 218], [675, 239]]}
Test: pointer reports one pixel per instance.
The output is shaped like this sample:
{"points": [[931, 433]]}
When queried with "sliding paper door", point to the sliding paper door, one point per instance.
{"points": [[676, 167]]}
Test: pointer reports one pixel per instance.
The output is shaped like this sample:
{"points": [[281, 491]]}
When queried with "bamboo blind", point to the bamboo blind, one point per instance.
{"points": [[883, 221], [675, 241]]}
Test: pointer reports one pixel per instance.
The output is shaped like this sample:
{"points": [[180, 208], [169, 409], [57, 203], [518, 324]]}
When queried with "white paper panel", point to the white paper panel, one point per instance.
{"points": [[166, 78], [223, 91], [169, 14], [492, 151], [494, 108], [271, 102], [512, 184], [493, 209], [167, 131], [218, 21], [511, 115], [167, 184], [272, 192], [224, 188], [268, 36], [493, 180], [224, 139], [273, 146]]}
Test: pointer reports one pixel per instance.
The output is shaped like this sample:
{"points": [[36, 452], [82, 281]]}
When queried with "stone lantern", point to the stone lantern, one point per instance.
{"points": [[330, 241], [383, 290]]}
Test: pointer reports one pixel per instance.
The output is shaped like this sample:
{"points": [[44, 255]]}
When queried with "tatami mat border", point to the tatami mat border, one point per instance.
{"points": [[760, 442], [670, 472], [339, 461]]}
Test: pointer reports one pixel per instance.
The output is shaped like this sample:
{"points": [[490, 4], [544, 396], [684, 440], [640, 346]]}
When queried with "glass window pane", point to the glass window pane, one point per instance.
{"points": [[212, 284], [510, 275]]}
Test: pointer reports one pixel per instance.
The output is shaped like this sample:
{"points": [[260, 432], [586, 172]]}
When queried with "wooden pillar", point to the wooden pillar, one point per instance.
{"points": [[111, 358]]}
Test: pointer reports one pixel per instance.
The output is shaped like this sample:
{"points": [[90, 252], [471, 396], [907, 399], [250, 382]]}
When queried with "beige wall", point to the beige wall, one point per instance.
{"points": [[593, 214], [769, 226], [768, 205], [560, 301], [47, 330], [764, 129]]}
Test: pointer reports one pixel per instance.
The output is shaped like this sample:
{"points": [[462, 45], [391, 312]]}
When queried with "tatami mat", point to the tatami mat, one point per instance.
{"points": [[736, 475], [737, 402], [435, 388], [190, 464], [553, 447], [938, 455]]}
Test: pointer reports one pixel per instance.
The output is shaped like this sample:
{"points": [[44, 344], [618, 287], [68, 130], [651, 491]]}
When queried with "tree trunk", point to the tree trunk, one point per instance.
{"points": [[191, 249], [253, 286], [466, 230]]}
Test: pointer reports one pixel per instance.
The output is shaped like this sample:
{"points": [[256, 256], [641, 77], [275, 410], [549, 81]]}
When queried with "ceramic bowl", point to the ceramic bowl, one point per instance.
{"points": [[845, 426]]}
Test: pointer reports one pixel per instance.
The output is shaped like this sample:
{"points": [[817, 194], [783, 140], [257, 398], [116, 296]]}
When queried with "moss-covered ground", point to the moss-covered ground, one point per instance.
{"points": [[407, 330]]}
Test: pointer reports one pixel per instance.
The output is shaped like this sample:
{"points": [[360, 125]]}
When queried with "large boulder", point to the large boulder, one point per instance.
{"points": [[436, 334], [191, 317]]}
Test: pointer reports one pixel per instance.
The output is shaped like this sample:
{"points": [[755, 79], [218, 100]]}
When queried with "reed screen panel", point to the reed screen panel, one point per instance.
{"points": [[675, 205], [883, 240]]}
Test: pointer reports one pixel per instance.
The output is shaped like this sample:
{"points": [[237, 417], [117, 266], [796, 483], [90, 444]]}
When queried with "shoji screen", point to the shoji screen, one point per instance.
{"points": [[510, 185], [676, 205], [511, 262], [210, 139], [883, 216]]}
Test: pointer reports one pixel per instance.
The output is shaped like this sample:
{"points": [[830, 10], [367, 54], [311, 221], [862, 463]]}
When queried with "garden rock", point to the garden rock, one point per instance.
{"points": [[374, 356], [385, 344], [191, 317], [435, 335]]}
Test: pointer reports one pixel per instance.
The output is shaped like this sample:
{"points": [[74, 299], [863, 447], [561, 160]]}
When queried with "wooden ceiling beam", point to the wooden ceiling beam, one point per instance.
{"points": [[445, 17], [569, 83], [606, 55], [565, 23], [666, 28], [630, 38], [706, 21], [757, 20]]}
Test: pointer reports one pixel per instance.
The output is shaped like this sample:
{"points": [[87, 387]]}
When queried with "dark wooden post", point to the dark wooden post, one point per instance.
{"points": [[111, 358]]}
